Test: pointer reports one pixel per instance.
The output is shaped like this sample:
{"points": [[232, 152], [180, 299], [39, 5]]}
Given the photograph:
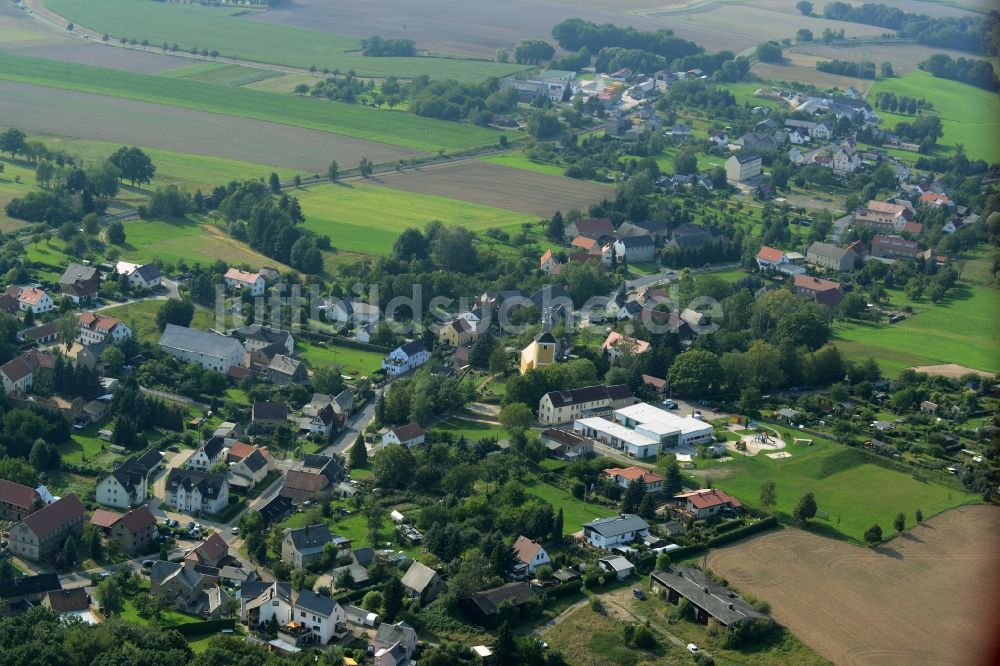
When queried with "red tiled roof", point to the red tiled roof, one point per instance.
{"points": [[213, 549], [526, 549], [50, 518], [770, 254], [634, 473], [545, 257], [584, 242], [105, 518], [31, 295], [814, 283], [407, 432], [242, 276], [97, 322], [914, 228], [16, 494], [709, 497], [139, 519]]}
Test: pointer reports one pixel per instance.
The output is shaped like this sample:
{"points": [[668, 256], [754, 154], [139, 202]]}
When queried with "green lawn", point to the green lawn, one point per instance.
{"points": [[518, 160], [969, 115], [853, 494], [398, 128], [344, 212], [575, 512], [16, 180], [961, 329], [86, 446], [351, 361], [473, 431], [141, 318], [169, 618], [223, 29]]}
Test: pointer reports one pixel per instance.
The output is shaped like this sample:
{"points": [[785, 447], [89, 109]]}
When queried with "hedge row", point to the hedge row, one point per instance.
{"points": [[205, 627], [745, 531]]}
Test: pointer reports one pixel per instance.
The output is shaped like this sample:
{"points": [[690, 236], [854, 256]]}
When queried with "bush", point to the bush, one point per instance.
{"points": [[597, 606]]}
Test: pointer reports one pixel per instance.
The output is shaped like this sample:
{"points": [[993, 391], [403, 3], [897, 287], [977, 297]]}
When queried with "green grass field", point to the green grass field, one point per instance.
{"points": [[16, 180], [192, 25], [351, 361], [186, 170], [141, 318], [393, 127], [220, 72], [961, 329], [519, 161], [969, 115], [473, 431], [575, 512], [853, 494], [344, 212]]}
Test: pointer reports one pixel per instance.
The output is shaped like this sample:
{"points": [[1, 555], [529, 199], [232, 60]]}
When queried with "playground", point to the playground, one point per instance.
{"points": [[756, 439]]}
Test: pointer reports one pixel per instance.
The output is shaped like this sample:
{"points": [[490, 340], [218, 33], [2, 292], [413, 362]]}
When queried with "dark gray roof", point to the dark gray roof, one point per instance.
{"points": [[328, 466], [210, 485], [255, 461], [418, 577], [150, 459], [721, 603], [364, 556], [390, 634], [270, 411], [213, 447], [636, 241], [617, 525], [77, 273], [412, 348], [827, 250], [310, 539], [276, 510], [25, 585], [251, 589], [318, 604], [263, 334], [589, 394], [652, 226], [747, 156], [208, 343], [489, 600]]}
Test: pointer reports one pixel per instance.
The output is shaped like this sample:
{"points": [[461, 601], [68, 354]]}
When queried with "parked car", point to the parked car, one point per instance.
{"points": [[670, 404], [638, 594], [236, 530], [692, 648], [147, 564]]}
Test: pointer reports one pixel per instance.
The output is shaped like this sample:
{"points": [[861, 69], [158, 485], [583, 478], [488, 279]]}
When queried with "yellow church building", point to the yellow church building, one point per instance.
{"points": [[541, 352]]}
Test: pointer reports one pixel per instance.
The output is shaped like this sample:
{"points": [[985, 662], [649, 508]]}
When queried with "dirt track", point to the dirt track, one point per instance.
{"points": [[928, 597], [500, 186]]}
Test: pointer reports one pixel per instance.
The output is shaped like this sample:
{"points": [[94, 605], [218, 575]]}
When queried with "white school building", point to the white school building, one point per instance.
{"points": [[643, 430]]}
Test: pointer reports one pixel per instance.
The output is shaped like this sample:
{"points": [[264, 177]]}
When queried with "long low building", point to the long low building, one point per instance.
{"points": [[209, 349], [709, 600], [643, 430]]}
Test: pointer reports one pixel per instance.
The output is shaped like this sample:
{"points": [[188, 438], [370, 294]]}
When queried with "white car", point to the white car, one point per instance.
{"points": [[693, 649]]}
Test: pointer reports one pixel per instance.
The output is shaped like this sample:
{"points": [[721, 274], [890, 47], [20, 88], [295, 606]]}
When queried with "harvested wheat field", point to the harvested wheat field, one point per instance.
{"points": [[499, 186], [926, 597]]}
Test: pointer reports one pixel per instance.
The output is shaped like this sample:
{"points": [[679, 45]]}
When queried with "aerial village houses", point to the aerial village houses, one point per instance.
{"points": [[210, 350], [530, 556], [708, 502], [43, 532], [405, 358], [743, 166], [17, 501], [422, 582], [244, 281], [209, 453], [303, 546], [894, 247], [561, 407], [128, 483], [824, 292], [80, 283], [457, 332], [644, 431], [565, 444], [832, 257], [305, 617], [18, 374], [135, 530], [549, 264], [35, 300], [96, 329], [189, 491], [140, 276], [408, 435], [618, 530], [594, 228], [651, 482], [770, 257]]}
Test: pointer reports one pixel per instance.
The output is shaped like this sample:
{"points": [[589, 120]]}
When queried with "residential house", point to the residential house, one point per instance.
{"points": [[540, 352], [883, 217], [845, 161], [770, 257], [323, 423], [422, 582], [394, 644], [276, 510], [565, 444], [360, 617], [796, 156], [20, 593], [267, 416], [565, 406], [617, 344], [244, 281], [70, 603], [757, 143], [190, 491], [140, 276], [830, 256], [127, 484], [209, 453], [408, 435], [18, 374], [617, 565], [43, 532], [211, 552], [708, 599], [651, 482], [303, 618], [634, 249], [457, 333], [743, 166], [530, 556], [549, 263], [135, 530], [595, 229], [690, 236], [16, 501], [317, 478], [96, 329], [617, 530], [708, 502], [286, 370], [894, 247], [303, 546], [188, 586], [351, 311], [824, 292], [252, 468], [482, 607], [405, 358], [80, 283], [41, 334], [35, 300], [209, 349]]}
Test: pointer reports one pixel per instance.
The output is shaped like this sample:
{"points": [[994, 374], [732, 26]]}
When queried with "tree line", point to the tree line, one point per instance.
{"points": [[979, 73], [974, 34], [380, 47], [862, 70]]}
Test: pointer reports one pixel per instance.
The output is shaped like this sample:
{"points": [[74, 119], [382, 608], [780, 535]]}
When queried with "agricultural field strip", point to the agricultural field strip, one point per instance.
{"points": [[391, 127]]}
